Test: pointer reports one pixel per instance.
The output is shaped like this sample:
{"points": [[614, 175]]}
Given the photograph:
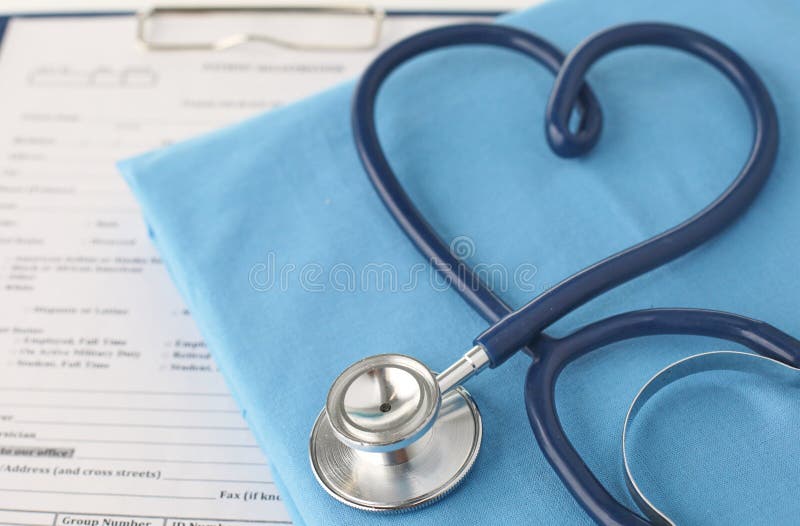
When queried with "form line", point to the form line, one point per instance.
{"points": [[122, 424], [199, 519], [120, 408], [94, 494], [171, 461], [144, 442], [221, 480], [119, 391]]}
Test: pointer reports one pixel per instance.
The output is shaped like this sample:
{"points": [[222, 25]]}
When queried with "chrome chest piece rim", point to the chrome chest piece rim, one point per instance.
{"points": [[389, 440]]}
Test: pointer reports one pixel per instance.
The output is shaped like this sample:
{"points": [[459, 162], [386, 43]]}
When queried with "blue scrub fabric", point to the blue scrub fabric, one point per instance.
{"points": [[293, 269]]}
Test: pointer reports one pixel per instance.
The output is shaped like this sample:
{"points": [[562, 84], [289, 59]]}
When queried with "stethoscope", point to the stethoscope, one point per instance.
{"points": [[394, 435]]}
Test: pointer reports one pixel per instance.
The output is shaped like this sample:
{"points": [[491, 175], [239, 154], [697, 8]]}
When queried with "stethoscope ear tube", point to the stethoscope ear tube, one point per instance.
{"points": [[540, 383]]}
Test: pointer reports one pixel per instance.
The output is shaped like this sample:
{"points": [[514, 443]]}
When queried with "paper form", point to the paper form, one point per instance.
{"points": [[112, 411]]}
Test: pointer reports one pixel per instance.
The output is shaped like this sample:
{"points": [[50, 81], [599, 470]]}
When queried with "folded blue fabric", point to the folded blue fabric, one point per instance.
{"points": [[293, 269]]}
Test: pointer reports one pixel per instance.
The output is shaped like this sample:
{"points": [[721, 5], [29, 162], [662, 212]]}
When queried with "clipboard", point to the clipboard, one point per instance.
{"points": [[44, 505], [147, 17]]}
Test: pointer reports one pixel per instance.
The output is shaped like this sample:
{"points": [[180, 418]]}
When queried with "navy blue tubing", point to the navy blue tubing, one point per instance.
{"points": [[514, 330], [505, 337], [456, 272], [557, 353], [524, 326]]}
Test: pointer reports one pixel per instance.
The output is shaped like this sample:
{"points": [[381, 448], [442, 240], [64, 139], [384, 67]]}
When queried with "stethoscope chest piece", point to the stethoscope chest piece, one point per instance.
{"points": [[389, 440]]}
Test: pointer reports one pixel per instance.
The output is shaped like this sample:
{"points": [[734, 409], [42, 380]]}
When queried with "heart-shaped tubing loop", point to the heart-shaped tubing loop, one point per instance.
{"points": [[515, 330], [456, 272], [557, 353], [519, 328]]}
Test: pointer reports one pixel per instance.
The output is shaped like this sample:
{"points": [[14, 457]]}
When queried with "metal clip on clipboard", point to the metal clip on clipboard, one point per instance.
{"points": [[146, 19]]}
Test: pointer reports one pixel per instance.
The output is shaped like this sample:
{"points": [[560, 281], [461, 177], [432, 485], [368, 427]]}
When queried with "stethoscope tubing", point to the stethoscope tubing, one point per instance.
{"points": [[518, 328], [513, 330], [408, 217], [556, 354], [523, 328]]}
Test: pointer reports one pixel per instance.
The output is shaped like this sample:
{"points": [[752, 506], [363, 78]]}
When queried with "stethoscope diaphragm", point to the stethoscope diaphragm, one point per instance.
{"points": [[389, 440]]}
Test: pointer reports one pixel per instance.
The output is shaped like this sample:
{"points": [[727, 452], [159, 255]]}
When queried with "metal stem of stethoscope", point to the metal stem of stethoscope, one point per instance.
{"points": [[474, 361], [393, 434]]}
